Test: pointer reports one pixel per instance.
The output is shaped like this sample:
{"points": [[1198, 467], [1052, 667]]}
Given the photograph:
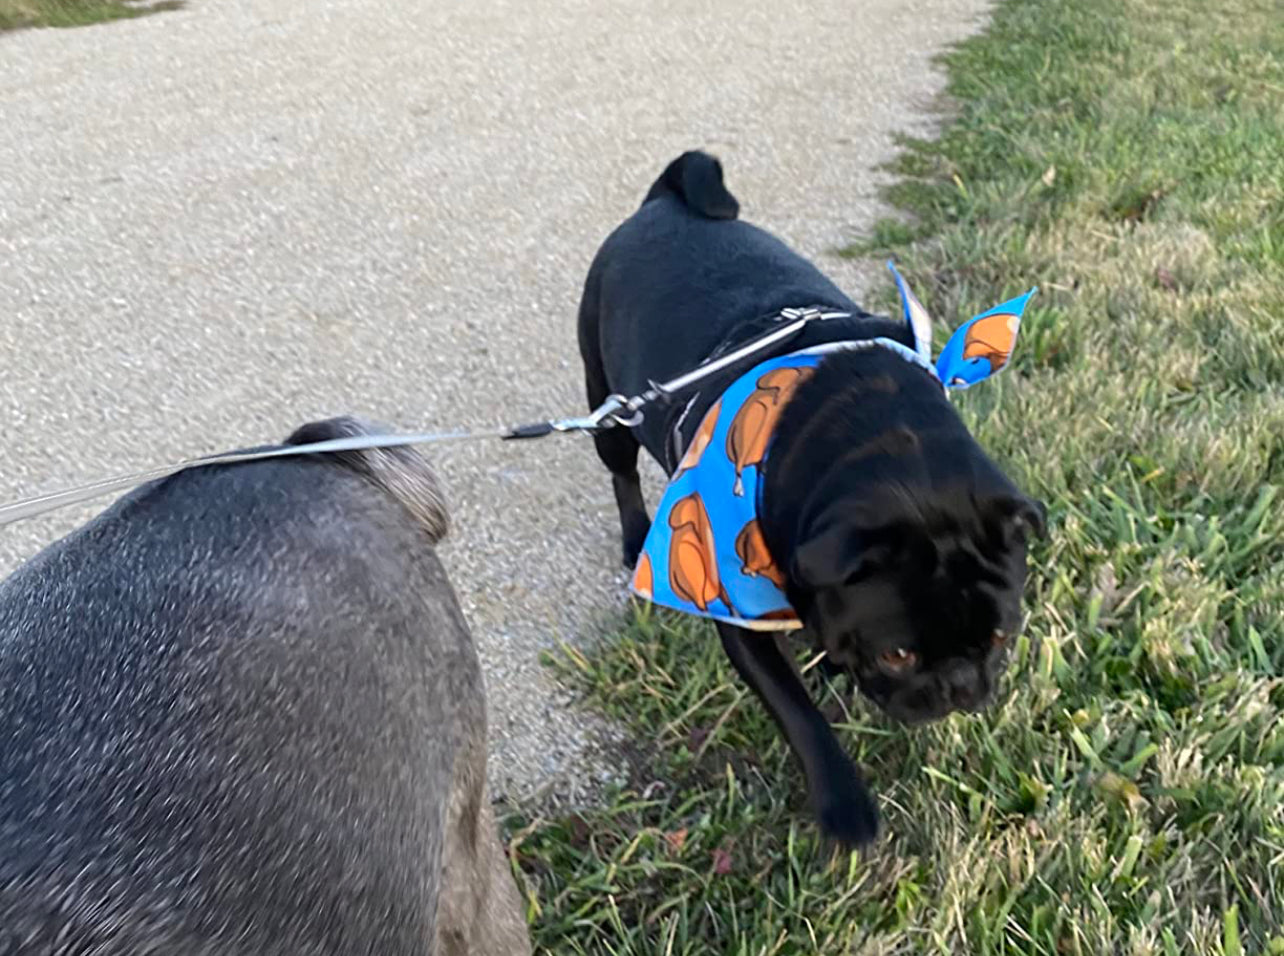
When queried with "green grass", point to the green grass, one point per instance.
{"points": [[17, 14], [1127, 796]]}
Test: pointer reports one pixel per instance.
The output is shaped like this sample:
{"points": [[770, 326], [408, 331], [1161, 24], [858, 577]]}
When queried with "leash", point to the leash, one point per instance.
{"points": [[52, 501], [616, 411], [619, 410]]}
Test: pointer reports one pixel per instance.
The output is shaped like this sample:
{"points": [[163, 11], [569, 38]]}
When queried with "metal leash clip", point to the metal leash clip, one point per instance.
{"points": [[607, 415]]}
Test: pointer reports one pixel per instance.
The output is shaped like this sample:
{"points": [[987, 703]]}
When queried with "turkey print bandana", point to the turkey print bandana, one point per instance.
{"points": [[705, 553]]}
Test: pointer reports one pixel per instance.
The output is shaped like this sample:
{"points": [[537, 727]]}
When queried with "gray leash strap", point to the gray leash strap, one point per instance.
{"points": [[52, 501], [617, 410]]}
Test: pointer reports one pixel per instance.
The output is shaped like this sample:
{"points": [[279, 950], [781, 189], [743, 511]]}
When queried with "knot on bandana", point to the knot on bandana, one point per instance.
{"points": [[705, 553], [979, 348]]}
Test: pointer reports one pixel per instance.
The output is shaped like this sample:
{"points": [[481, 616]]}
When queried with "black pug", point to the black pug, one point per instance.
{"points": [[902, 545], [242, 714]]}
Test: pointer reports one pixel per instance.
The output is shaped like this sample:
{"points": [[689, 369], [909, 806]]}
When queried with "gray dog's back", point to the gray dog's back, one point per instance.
{"points": [[242, 714]]}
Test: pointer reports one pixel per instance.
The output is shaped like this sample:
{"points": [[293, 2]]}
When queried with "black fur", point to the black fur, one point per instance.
{"points": [[696, 179], [895, 530]]}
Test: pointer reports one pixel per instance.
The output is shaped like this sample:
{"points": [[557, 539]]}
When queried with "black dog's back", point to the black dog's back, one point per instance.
{"points": [[241, 714], [675, 278]]}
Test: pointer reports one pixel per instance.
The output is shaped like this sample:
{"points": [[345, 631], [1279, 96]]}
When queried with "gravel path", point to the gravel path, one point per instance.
{"points": [[220, 222]]}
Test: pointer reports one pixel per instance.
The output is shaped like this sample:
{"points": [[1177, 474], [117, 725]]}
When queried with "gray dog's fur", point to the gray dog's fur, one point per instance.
{"points": [[240, 715]]}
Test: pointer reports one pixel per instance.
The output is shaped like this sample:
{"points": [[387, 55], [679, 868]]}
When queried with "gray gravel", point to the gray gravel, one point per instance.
{"points": [[218, 223]]}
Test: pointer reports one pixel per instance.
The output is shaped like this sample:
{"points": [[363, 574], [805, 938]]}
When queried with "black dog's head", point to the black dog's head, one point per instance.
{"points": [[918, 601], [907, 557]]}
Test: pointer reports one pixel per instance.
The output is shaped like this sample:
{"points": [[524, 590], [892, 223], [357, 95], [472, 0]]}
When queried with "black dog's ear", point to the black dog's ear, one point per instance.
{"points": [[835, 555], [1038, 518]]}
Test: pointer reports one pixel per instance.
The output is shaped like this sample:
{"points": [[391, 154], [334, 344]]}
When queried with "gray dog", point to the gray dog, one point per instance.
{"points": [[240, 713]]}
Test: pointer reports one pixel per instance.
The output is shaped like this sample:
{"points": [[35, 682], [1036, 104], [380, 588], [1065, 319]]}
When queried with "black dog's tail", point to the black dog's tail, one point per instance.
{"points": [[696, 179]]}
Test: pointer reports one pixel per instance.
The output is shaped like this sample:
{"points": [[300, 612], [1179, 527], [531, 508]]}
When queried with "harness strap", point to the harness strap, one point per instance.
{"points": [[797, 318]]}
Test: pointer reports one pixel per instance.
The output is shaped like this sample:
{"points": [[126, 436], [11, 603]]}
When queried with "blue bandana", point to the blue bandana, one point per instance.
{"points": [[705, 553]]}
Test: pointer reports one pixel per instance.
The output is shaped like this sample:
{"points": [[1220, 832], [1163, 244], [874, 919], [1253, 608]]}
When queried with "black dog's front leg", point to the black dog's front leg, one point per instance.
{"points": [[843, 806]]}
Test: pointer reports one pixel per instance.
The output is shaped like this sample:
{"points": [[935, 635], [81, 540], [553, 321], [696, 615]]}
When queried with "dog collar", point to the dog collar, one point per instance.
{"points": [[705, 553]]}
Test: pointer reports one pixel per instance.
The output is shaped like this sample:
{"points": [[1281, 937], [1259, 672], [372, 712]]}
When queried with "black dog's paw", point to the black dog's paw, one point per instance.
{"points": [[633, 545], [848, 815]]}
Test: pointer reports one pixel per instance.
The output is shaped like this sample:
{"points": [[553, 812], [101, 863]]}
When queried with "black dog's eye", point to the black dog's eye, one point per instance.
{"points": [[899, 660], [998, 638]]}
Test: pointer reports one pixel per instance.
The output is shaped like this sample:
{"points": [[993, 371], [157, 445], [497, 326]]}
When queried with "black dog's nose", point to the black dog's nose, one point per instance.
{"points": [[965, 685]]}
